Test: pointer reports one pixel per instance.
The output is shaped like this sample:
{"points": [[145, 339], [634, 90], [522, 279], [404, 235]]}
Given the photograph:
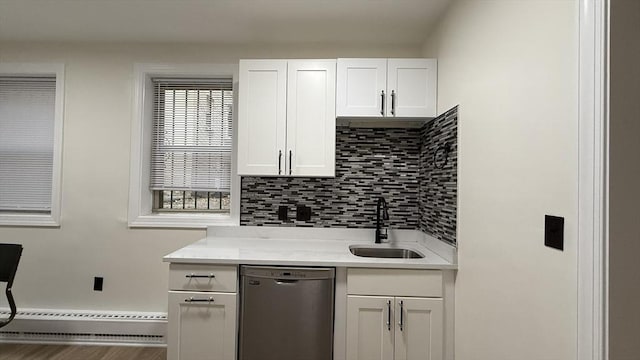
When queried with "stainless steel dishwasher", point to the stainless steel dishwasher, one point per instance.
{"points": [[286, 313]]}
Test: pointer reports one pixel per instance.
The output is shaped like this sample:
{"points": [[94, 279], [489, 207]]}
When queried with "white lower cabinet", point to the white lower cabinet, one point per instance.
{"points": [[202, 316], [391, 314], [394, 328], [369, 328], [419, 328], [394, 314], [202, 326]]}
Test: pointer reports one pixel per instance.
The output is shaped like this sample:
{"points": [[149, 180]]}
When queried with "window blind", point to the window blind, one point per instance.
{"points": [[192, 134], [27, 114]]}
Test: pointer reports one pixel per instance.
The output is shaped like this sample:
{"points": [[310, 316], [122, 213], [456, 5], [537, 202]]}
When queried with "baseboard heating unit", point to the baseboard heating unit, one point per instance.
{"points": [[85, 327]]}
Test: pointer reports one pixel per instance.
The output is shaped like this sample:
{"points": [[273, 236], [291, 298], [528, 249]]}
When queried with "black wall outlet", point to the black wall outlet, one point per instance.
{"points": [[97, 283], [554, 232], [283, 213], [303, 213]]}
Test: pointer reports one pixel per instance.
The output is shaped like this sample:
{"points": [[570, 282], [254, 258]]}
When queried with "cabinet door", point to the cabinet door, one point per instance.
{"points": [[419, 328], [370, 328], [200, 329], [311, 118], [262, 117], [411, 84], [361, 86]]}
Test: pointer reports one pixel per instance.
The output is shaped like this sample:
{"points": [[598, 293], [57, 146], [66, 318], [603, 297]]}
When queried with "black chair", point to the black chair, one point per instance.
{"points": [[9, 259]]}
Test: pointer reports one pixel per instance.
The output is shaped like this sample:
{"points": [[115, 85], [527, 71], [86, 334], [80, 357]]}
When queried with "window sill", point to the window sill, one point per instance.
{"points": [[188, 221], [36, 220]]}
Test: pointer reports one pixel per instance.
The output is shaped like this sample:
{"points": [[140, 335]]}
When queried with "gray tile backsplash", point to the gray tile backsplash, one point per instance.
{"points": [[439, 180], [370, 162]]}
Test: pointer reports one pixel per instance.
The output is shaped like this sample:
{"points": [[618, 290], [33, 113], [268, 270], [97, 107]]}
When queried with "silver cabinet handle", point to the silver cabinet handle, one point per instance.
{"points": [[389, 315], [279, 162], [401, 323], [382, 103], [192, 299], [192, 276], [393, 102], [290, 161]]}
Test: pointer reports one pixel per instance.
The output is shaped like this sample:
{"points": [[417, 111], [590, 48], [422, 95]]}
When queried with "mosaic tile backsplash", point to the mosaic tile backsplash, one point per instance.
{"points": [[439, 176], [370, 162]]}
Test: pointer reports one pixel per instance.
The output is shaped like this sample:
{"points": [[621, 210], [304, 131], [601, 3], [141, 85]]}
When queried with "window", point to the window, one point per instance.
{"points": [[30, 144], [183, 148], [192, 144]]}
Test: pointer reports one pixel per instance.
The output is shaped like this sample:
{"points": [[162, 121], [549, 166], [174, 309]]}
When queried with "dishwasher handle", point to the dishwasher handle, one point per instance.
{"points": [[286, 281]]}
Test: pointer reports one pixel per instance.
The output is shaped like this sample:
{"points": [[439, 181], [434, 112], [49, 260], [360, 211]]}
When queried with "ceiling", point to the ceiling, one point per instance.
{"points": [[400, 22]]}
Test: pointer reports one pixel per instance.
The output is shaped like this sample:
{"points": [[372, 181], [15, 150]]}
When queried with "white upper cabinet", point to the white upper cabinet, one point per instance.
{"points": [[311, 118], [286, 118], [402, 88], [411, 86], [262, 117], [362, 86]]}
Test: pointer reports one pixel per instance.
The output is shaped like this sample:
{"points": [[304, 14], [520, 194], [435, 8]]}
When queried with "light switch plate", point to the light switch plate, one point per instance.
{"points": [[554, 232]]}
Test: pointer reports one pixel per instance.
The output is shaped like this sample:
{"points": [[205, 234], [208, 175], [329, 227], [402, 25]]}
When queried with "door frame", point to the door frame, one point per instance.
{"points": [[593, 180]]}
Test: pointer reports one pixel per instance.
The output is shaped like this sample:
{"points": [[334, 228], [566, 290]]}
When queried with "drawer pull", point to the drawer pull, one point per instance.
{"points": [[401, 323], [194, 276], [192, 299], [389, 315]]}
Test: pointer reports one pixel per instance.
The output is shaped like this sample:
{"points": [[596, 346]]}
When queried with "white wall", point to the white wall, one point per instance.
{"points": [[512, 67], [624, 188], [58, 265]]}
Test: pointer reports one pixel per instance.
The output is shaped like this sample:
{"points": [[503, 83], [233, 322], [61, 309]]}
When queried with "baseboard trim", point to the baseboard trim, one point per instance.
{"points": [[85, 327]]}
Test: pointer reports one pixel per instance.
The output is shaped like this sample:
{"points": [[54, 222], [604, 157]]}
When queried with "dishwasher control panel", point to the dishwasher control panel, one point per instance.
{"points": [[287, 273]]}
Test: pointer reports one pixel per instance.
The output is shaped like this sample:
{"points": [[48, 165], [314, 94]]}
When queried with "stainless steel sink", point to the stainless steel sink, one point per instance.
{"points": [[393, 253]]}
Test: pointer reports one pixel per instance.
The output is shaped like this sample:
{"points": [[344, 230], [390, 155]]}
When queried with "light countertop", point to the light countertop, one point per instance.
{"points": [[310, 247]]}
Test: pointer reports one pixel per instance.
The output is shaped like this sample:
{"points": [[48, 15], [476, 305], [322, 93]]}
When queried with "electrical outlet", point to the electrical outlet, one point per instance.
{"points": [[97, 283], [283, 213], [303, 213]]}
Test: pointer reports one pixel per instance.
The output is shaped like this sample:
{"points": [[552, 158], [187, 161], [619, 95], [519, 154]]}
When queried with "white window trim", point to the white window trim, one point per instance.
{"points": [[140, 197], [52, 219]]}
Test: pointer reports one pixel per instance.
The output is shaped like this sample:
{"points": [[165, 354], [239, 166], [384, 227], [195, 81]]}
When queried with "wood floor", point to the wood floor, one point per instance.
{"points": [[75, 352]]}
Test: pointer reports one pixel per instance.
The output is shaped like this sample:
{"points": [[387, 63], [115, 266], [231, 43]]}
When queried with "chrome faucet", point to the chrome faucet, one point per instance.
{"points": [[381, 205]]}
